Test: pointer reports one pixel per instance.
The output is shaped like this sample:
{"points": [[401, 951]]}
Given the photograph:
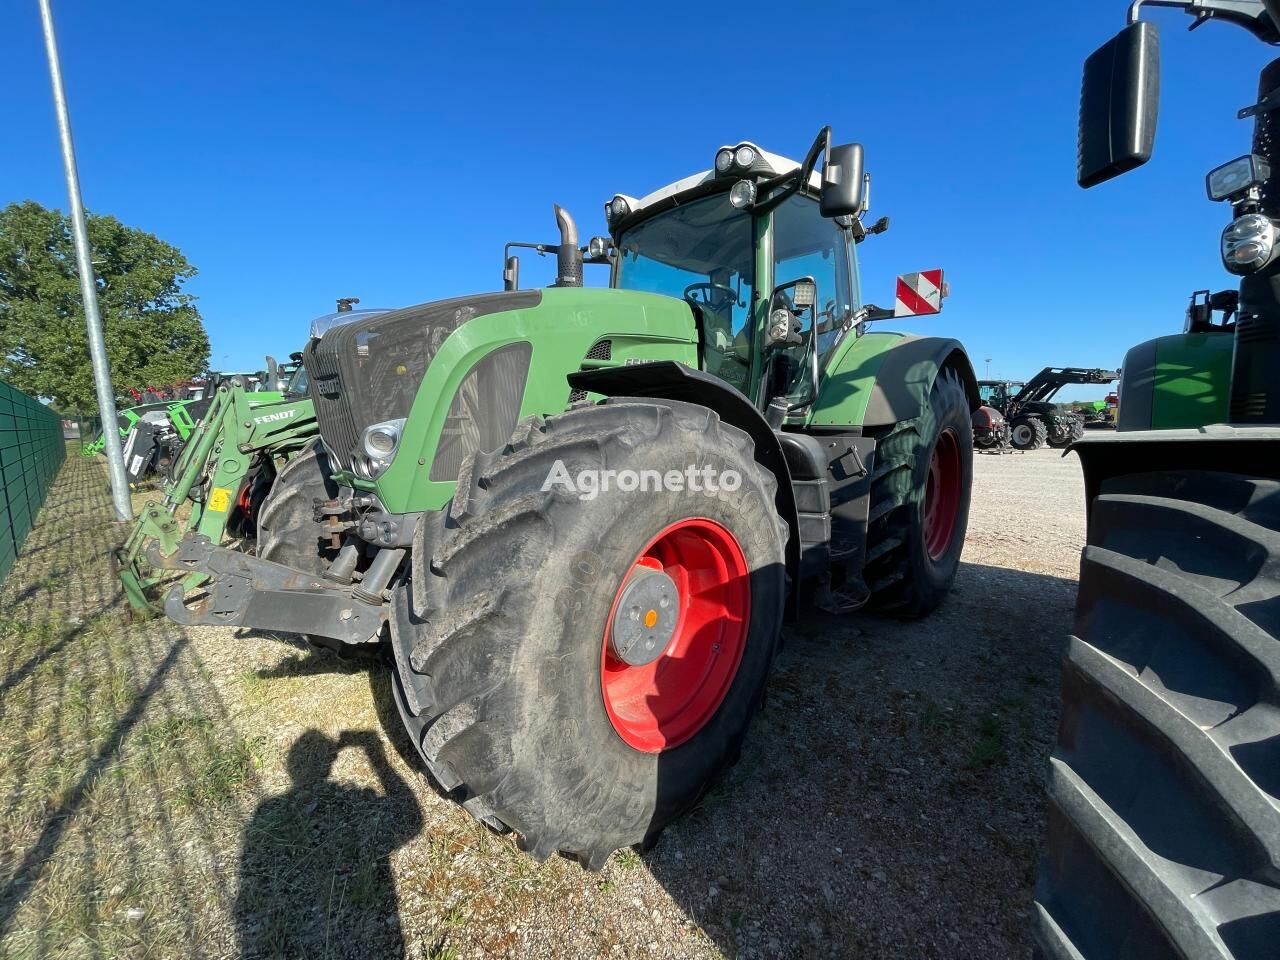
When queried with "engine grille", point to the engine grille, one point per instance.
{"points": [[600, 350], [368, 370], [333, 412]]}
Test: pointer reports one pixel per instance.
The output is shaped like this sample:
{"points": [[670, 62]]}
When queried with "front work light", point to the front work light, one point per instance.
{"points": [[1234, 178], [745, 156], [724, 160], [742, 194]]}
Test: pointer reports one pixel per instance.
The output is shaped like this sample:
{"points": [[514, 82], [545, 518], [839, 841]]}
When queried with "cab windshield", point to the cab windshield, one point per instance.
{"points": [[701, 252]]}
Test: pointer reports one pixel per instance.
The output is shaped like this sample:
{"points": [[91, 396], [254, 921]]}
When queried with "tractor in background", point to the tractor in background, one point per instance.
{"points": [[1164, 787], [576, 517], [1033, 418]]}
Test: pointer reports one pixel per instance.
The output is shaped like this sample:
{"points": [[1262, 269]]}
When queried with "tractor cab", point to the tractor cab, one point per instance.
{"points": [[762, 248], [997, 393]]}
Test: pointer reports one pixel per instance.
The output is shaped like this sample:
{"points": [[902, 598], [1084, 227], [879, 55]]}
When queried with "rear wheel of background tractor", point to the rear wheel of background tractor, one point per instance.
{"points": [[920, 503], [1164, 829], [581, 669], [1029, 433]]}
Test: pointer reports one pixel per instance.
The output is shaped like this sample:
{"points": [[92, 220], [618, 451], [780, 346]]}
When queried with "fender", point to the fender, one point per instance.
{"points": [[906, 376], [669, 380]]}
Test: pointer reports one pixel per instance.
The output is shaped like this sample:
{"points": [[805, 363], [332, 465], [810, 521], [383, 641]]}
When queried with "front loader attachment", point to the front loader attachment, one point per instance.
{"points": [[223, 471]]}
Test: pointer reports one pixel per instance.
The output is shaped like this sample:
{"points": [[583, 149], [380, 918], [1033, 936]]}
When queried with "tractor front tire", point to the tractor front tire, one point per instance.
{"points": [[1164, 789], [505, 642], [287, 530], [1028, 433], [920, 489]]}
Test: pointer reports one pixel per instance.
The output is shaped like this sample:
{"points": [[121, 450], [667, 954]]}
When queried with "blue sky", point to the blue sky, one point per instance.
{"points": [[298, 152]]}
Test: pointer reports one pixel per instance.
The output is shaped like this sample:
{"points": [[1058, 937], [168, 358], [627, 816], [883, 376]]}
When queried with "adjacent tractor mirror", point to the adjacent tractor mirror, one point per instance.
{"points": [[842, 181], [1119, 100]]}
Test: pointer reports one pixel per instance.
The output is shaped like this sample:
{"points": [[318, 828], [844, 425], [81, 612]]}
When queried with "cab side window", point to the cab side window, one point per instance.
{"points": [[809, 245]]}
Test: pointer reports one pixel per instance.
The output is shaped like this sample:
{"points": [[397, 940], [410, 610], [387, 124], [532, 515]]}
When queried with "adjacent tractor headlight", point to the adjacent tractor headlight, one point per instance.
{"points": [[742, 194], [1236, 177], [724, 160], [1248, 243], [745, 156], [380, 442]]}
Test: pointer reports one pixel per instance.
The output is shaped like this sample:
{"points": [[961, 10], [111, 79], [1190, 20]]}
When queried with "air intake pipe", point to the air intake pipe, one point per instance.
{"points": [[568, 257]]}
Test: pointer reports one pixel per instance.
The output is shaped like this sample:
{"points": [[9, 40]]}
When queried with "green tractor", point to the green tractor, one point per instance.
{"points": [[579, 515], [219, 481], [1164, 788]]}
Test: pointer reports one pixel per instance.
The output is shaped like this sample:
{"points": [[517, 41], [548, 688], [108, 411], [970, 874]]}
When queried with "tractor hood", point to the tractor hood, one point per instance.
{"points": [[366, 366]]}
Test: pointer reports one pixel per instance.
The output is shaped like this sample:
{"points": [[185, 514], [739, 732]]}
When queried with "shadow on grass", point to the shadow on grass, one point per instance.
{"points": [[314, 865]]}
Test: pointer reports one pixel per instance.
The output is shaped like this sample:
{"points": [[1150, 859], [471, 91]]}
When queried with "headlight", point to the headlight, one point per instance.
{"points": [[380, 442], [1248, 243], [597, 247], [745, 156], [742, 194], [724, 160], [1236, 177]]}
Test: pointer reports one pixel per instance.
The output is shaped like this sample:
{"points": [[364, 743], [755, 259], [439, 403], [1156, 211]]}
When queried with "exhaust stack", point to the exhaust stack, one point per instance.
{"points": [[568, 257]]}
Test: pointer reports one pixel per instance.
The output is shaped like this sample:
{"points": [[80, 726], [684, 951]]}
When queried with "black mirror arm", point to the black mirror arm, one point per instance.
{"points": [[1252, 15], [819, 148]]}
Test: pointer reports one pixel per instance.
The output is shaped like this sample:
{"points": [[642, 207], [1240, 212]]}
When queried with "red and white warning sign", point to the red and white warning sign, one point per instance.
{"points": [[919, 293]]}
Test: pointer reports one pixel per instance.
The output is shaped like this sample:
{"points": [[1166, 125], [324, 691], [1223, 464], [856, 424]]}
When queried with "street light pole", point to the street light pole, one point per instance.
{"points": [[88, 283], [988, 376]]}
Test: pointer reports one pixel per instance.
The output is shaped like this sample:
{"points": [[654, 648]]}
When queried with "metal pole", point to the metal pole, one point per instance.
{"points": [[88, 283]]}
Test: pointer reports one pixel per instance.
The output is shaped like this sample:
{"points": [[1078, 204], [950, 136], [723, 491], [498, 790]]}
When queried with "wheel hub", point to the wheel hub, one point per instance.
{"points": [[645, 620]]}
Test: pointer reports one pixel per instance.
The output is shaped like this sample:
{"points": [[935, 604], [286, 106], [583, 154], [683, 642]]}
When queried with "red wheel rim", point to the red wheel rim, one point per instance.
{"points": [[942, 494], [662, 704]]}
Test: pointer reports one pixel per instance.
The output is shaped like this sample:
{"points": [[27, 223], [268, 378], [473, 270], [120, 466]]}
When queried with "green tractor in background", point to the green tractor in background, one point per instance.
{"points": [[219, 482], [578, 515], [1164, 789]]}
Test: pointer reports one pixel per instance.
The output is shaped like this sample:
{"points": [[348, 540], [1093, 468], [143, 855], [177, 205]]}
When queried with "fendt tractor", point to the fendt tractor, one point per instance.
{"points": [[218, 483], [583, 512], [1033, 418], [1164, 812]]}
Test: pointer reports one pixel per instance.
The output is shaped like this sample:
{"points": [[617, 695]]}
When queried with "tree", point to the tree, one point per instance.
{"points": [[152, 329]]}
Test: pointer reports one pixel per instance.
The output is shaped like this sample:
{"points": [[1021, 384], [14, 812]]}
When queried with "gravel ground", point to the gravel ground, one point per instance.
{"points": [[216, 794]]}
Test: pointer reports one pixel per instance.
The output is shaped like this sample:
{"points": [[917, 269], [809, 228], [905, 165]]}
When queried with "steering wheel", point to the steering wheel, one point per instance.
{"points": [[706, 289]]}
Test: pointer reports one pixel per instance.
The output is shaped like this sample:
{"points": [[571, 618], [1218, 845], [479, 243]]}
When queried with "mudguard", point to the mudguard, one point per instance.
{"points": [[669, 380], [879, 379], [1176, 382]]}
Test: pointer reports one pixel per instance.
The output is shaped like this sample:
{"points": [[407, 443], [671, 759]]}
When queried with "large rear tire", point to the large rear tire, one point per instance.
{"points": [[1164, 790], [507, 678], [1028, 433], [920, 489]]}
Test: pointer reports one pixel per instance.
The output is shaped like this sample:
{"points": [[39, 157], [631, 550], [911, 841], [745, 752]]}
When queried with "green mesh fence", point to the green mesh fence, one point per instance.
{"points": [[31, 450]]}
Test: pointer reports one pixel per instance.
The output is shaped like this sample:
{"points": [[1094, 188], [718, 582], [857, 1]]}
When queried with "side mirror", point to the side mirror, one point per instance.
{"points": [[511, 274], [1119, 101], [273, 373], [920, 294], [842, 182]]}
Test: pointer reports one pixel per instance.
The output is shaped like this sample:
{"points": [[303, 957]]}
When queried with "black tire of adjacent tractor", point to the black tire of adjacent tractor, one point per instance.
{"points": [[287, 530], [499, 638], [1164, 829], [288, 533], [1028, 433], [903, 578]]}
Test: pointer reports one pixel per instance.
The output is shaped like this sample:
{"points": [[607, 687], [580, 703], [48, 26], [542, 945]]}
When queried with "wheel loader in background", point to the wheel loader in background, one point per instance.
{"points": [[1164, 788], [578, 515], [1033, 418]]}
